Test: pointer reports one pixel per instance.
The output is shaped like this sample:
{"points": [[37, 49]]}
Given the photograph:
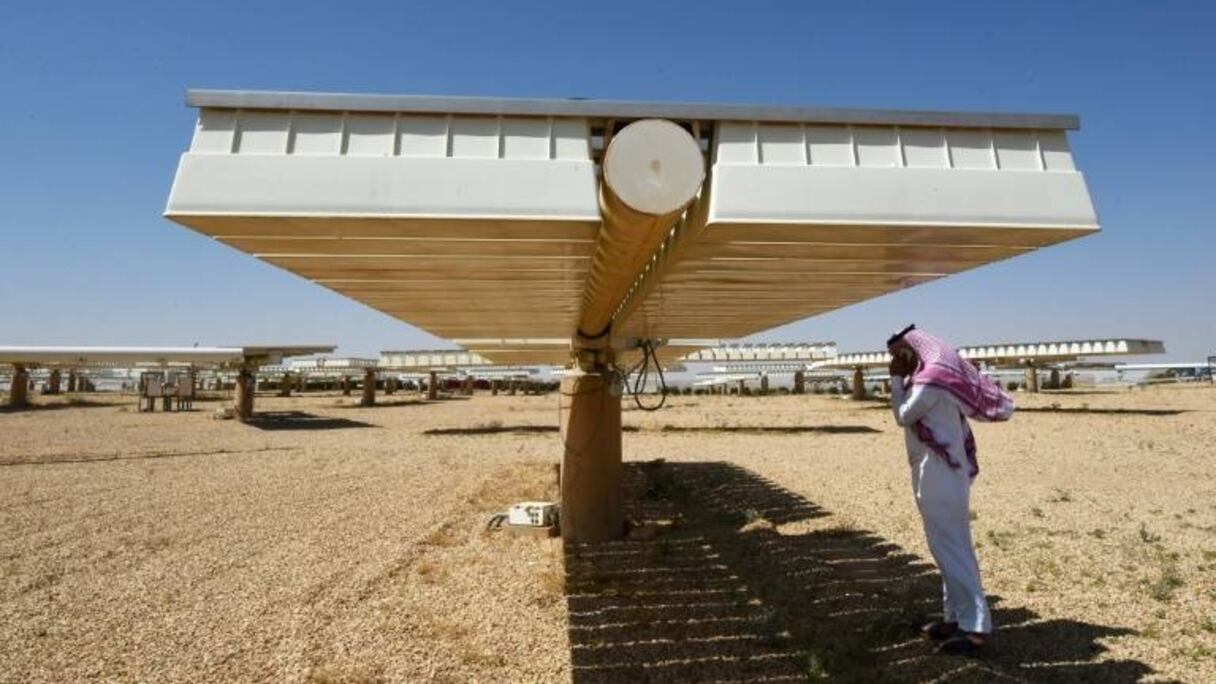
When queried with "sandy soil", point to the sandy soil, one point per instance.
{"points": [[334, 543]]}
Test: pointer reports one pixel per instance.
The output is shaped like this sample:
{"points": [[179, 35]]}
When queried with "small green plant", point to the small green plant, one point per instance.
{"points": [[1164, 588], [1148, 536], [1061, 496]]}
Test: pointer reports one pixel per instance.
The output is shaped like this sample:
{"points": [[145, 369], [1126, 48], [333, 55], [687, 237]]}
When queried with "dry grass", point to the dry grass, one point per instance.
{"points": [[177, 548]]}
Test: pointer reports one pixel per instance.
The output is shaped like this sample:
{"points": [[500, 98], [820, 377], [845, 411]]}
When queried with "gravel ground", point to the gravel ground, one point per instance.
{"points": [[778, 540]]}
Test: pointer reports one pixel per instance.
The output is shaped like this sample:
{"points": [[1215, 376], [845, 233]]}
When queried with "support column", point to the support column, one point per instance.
{"points": [[432, 386], [494, 388], [799, 382], [346, 385], [859, 384], [468, 386], [285, 385], [1053, 381], [1032, 378], [54, 382], [390, 385], [19, 387], [514, 387], [244, 395], [369, 388], [591, 506], [71, 381], [764, 384], [742, 386]]}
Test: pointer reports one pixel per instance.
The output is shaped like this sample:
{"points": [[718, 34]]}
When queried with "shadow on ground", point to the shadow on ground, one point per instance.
{"points": [[750, 429], [706, 601], [59, 405], [493, 430], [299, 420], [1101, 411], [776, 429], [389, 403]]}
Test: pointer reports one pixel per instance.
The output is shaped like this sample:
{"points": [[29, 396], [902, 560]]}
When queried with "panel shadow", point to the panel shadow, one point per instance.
{"points": [[299, 420], [728, 577]]}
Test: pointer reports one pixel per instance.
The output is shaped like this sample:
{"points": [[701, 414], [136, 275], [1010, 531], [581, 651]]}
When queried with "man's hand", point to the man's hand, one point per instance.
{"points": [[899, 366]]}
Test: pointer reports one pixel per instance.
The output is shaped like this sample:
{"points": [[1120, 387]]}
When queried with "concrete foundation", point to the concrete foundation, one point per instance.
{"points": [[591, 508]]}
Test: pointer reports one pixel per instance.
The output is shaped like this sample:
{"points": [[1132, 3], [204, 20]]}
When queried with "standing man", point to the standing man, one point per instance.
{"points": [[933, 392]]}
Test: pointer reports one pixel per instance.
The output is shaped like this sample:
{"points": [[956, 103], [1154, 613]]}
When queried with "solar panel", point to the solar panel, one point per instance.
{"points": [[483, 218]]}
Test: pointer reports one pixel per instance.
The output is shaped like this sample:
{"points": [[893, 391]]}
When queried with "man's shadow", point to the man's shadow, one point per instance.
{"points": [[718, 583]]}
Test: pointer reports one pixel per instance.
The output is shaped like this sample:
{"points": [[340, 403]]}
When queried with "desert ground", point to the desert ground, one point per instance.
{"points": [[775, 539]]}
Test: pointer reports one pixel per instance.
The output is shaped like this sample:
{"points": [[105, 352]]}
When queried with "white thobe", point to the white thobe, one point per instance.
{"points": [[943, 497]]}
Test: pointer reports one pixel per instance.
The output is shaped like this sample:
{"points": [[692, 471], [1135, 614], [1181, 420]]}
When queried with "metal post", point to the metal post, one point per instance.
{"points": [[244, 395], [369, 388], [859, 384], [591, 496], [19, 386], [1032, 378]]}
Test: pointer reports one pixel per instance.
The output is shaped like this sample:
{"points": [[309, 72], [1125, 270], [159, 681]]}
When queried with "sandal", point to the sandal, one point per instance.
{"points": [[965, 643], [939, 631]]}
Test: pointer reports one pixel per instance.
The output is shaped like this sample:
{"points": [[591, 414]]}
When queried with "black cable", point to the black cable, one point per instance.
{"points": [[641, 371]]}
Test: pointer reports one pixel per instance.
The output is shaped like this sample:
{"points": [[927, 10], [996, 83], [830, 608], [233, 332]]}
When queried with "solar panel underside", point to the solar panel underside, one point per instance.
{"points": [[484, 226]]}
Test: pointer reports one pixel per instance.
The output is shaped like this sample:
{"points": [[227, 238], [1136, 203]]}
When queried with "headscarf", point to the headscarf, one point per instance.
{"points": [[939, 365]]}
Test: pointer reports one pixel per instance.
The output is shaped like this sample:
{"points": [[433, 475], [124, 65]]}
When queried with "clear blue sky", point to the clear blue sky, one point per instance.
{"points": [[92, 122]]}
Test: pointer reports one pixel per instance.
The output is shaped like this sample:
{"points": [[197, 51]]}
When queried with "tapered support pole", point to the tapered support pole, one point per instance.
{"points": [[799, 382], [244, 395], [432, 386], [859, 384], [19, 387], [54, 382], [591, 507], [369, 388]]}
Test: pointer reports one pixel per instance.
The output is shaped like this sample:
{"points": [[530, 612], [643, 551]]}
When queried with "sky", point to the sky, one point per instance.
{"points": [[92, 123]]}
